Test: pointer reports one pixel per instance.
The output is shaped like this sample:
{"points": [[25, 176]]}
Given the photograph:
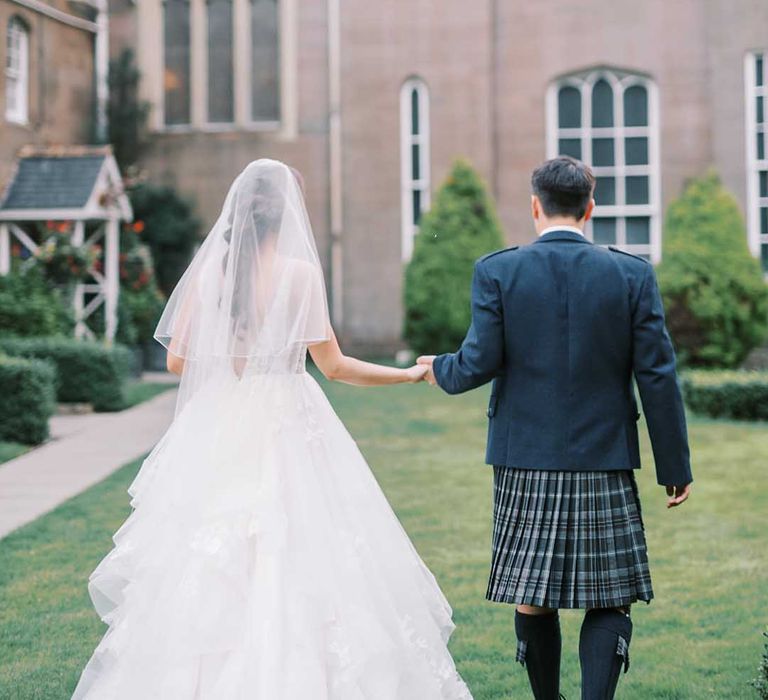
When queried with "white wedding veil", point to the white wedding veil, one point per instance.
{"points": [[253, 295]]}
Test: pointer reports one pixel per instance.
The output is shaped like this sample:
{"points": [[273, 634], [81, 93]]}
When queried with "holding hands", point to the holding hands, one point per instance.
{"points": [[421, 371], [426, 361]]}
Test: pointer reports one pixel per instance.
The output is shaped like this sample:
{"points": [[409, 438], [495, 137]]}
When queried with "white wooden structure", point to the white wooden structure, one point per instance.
{"points": [[77, 184]]}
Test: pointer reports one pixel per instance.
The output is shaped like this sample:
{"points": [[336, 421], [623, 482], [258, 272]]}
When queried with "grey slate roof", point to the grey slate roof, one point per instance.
{"points": [[53, 182]]}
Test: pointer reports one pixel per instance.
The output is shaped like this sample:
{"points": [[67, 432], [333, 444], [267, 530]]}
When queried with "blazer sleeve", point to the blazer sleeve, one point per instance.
{"points": [[480, 356], [656, 377]]}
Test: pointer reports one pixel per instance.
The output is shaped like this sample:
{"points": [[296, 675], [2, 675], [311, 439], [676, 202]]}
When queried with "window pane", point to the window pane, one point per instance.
{"points": [[602, 152], [760, 145], [638, 230], [637, 189], [220, 68], [763, 183], [636, 150], [265, 61], [176, 72], [605, 191], [760, 111], [759, 70], [763, 219], [415, 112], [764, 256], [604, 230], [415, 161], [570, 147], [602, 104], [416, 207], [569, 108], [636, 106]]}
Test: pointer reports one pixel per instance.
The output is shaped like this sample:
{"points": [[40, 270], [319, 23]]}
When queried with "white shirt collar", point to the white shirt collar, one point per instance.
{"points": [[573, 229]]}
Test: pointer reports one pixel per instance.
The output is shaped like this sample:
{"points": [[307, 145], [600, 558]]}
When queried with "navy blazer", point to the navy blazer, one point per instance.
{"points": [[560, 326]]}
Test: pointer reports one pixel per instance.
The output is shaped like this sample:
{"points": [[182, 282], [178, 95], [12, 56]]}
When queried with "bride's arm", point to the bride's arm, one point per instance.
{"points": [[336, 366]]}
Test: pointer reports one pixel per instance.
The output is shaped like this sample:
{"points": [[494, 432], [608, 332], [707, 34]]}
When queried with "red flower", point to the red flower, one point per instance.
{"points": [[138, 226], [62, 227]]}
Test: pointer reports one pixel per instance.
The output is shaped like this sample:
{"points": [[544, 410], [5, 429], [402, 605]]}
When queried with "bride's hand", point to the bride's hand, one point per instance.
{"points": [[417, 373]]}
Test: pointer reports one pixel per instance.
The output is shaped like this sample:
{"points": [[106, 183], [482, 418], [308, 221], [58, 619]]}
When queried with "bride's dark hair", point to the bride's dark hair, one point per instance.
{"points": [[264, 203]]}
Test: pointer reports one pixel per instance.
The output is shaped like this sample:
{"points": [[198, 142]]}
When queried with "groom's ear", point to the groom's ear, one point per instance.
{"points": [[535, 207], [590, 210]]}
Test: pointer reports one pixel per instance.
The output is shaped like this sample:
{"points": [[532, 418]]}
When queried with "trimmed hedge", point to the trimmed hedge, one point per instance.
{"points": [[715, 297], [461, 226], [86, 371], [27, 399], [727, 394], [29, 307]]}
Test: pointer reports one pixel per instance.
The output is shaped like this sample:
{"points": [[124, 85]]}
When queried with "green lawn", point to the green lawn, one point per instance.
{"points": [[10, 450], [700, 637], [137, 391]]}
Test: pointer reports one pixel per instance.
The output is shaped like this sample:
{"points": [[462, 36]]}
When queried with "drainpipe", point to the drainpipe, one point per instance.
{"points": [[334, 153], [100, 64]]}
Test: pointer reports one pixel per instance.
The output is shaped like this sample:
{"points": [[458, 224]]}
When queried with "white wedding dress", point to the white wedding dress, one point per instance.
{"points": [[261, 560]]}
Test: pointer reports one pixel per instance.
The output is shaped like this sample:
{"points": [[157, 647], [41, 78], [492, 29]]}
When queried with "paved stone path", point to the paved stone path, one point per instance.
{"points": [[84, 449]]}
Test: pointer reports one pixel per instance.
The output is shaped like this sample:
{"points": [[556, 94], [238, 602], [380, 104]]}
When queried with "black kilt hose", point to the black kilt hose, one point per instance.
{"points": [[568, 539]]}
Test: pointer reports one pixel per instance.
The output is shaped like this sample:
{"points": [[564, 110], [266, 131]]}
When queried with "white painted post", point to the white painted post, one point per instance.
{"points": [[5, 249], [111, 277], [78, 238]]}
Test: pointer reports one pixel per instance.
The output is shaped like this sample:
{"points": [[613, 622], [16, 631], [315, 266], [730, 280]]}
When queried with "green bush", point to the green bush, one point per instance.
{"points": [[27, 400], [167, 224], [145, 307], [127, 112], [29, 307], [761, 682], [126, 333], [85, 371], [727, 394], [461, 226], [715, 298]]}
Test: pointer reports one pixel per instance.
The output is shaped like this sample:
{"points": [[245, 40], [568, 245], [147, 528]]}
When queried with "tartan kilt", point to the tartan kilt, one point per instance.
{"points": [[564, 539]]}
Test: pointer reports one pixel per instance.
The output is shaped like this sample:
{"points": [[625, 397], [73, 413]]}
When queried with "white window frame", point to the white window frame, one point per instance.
{"points": [[407, 140], [151, 18], [756, 239], [17, 76], [619, 82]]}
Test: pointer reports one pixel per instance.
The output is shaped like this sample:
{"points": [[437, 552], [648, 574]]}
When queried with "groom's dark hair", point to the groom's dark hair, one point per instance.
{"points": [[564, 187]]}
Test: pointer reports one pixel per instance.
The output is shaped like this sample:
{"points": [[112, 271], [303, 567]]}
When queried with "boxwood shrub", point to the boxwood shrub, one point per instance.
{"points": [[727, 394], [85, 371], [27, 399], [460, 227]]}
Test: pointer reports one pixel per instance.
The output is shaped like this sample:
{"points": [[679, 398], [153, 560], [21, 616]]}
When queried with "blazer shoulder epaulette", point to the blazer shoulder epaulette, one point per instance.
{"points": [[631, 255], [498, 252]]}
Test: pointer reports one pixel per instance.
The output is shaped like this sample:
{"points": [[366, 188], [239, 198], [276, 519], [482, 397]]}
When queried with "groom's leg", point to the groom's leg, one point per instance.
{"points": [[538, 649], [603, 649]]}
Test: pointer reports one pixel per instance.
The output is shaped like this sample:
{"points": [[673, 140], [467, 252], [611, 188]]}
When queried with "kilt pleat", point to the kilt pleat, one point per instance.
{"points": [[565, 539]]}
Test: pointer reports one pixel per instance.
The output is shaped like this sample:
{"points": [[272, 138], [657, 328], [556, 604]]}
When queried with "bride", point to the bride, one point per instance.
{"points": [[261, 560]]}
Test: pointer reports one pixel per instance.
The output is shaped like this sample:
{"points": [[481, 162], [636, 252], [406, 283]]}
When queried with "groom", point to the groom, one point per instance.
{"points": [[560, 327]]}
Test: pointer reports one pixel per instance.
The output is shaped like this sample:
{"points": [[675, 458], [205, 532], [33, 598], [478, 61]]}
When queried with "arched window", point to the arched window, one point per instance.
{"points": [[757, 163], [176, 73], [17, 72], [414, 161], [221, 108], [265, 61], [608, 120]]}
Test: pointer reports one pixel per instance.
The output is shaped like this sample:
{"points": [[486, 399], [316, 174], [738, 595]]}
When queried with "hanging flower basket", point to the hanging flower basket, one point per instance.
{"points": [[62, 262]]}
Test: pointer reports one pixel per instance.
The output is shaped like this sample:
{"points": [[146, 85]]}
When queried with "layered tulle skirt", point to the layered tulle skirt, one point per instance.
{"points": [[262, 561]]}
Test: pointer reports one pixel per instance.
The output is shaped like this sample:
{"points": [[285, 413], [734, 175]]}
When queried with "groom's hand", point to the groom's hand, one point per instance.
{"points": [[677, 494], [428, 360]]}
